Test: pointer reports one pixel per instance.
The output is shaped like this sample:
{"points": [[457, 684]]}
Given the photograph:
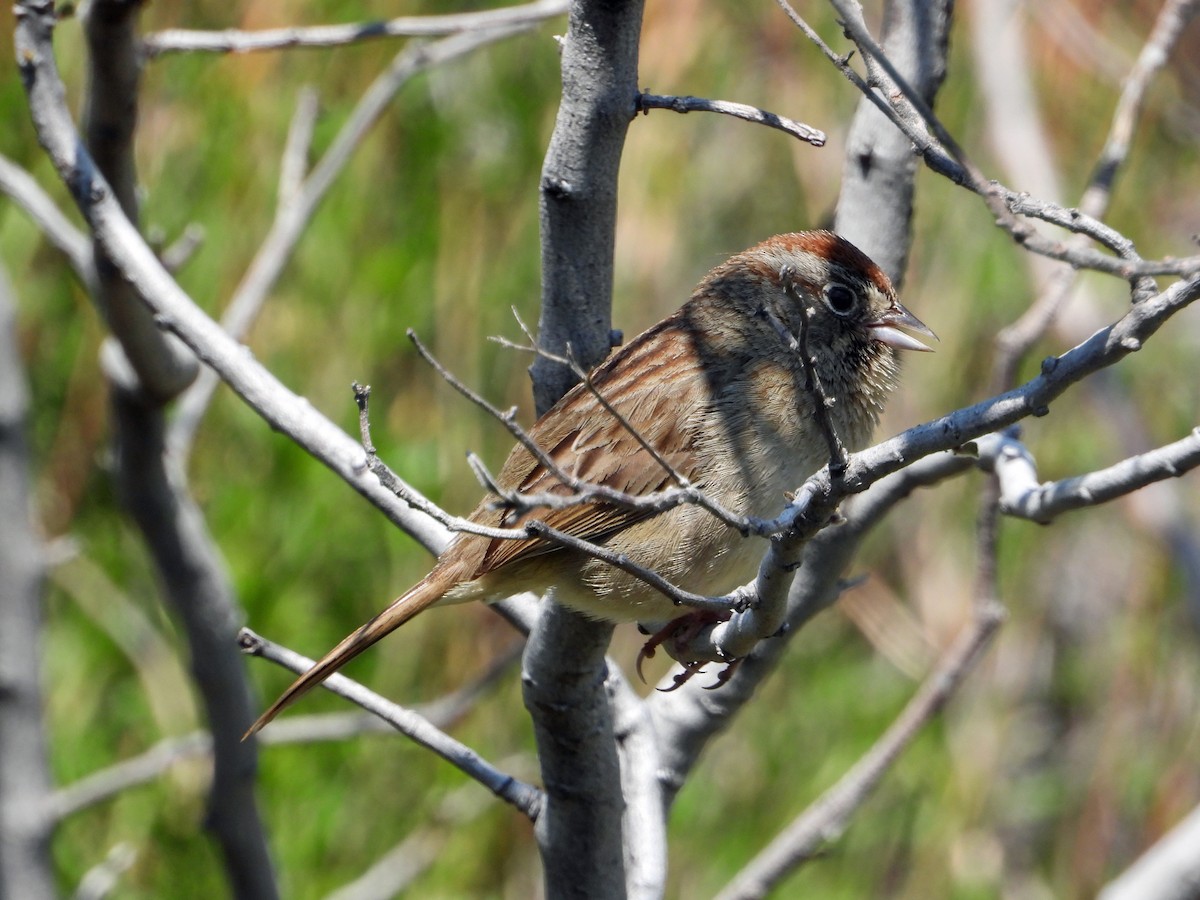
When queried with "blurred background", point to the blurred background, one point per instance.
{"points": [[1072, 748]]}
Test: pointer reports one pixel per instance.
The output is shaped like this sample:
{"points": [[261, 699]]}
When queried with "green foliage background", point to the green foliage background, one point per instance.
{"points": [[1071, 749]]}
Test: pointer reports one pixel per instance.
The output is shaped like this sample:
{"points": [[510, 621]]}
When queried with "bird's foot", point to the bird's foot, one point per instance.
{"points": [[676, 635]]}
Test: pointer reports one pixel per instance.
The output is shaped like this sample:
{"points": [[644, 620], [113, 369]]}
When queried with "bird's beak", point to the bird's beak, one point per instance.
{"points": [[886, 329]]}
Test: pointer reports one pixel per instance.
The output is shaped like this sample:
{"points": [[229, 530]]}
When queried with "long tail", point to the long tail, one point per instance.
{"points": [[418, 599]]}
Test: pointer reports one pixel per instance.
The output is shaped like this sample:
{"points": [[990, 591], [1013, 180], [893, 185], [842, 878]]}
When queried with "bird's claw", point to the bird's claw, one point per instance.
{"points": [[680, 632]]}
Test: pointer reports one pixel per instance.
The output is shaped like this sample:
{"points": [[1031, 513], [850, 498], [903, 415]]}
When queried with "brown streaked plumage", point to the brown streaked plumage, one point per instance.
{"points": [[717, 391]]}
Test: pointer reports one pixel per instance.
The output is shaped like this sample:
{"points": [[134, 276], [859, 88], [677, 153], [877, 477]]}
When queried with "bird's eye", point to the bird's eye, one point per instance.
{"points": [[840, 299]]}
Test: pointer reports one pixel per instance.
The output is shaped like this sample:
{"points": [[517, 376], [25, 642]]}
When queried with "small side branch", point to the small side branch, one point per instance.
{"points": [[1023, 496], [897, 100], [798, 130], [522, 796]]}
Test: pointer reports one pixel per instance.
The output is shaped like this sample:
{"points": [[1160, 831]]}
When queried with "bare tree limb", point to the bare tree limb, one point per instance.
{"points": [[26, 868], [163, 365], [687, 719], [45, 214], [828, 817], [147, 368], [114, 780], [644, 824], [397, 869], [580, 834], [264, 393], [943, 156], [806, 133], [1016, 340], [178, 40], [1022, 495], [875, 204], [196, 586], [102, 879], [524, 797]]}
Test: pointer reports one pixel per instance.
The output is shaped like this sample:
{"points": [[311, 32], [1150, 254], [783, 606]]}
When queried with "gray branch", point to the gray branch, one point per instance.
{"points": [[798, 130], [875, 206], [45, 214], [580, 831], [178, 40], [526, 798], [943, 156], [154, 491], [1023, 496], [687, 719], [1170, 870], [829, 816], [146, 369], [262, 392], [163, 365], [26, 869]]}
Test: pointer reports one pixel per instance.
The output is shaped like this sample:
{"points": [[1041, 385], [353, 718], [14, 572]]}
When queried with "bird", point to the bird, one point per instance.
{"points": [[719, 390]]}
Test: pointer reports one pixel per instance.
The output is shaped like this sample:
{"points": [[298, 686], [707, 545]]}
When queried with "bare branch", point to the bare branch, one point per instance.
{"points": [[26, 867], [101, 879], [738, 600], [1168, 27], [259, 388], [293, 165], [129, 773], [396, 870], [875, 202], [798, 130], [829, 816], [417, 728], [177, 254], [687, 719], [179, 40], [1023, 496], [163, 365], [1002, 201], [29, 196], [1017, 339]]}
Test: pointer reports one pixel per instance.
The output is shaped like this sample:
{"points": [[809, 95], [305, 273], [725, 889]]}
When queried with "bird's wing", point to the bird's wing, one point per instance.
{"points": [[656, 382]]}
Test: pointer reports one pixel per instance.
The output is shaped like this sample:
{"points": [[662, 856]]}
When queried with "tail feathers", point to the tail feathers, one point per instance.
{"points": [[420, 598]]}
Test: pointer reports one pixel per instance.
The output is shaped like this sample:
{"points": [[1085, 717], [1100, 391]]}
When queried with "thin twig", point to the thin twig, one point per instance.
{"points": [[114, 780], [583, 490], [1016, 340], [178, 40], [738, 600], [180, 251], [1128, 265], [522, 796], [294, 162], [822, 402], [829, 816], [805, 133], [50, 220], [687, 492]]}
